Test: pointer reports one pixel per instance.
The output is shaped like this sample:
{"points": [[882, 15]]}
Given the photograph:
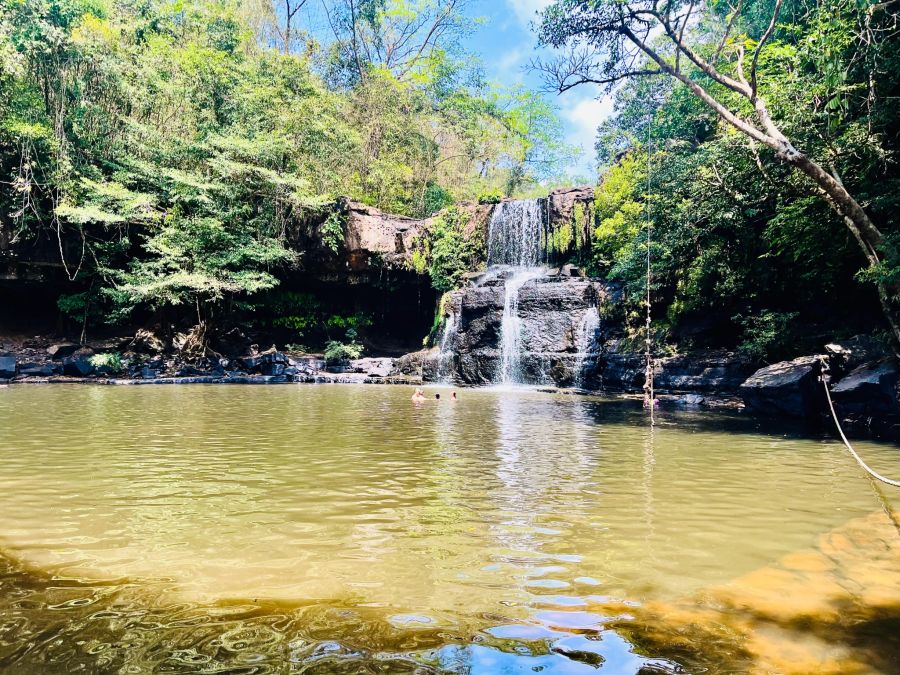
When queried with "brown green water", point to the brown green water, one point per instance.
{"points": [[344, 529]]}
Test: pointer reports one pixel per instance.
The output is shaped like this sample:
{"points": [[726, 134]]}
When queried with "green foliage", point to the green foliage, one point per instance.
{"points": [[183, 152], [202, 260], [453, 250], [490, 198], [768, 335], [340, 351], [108, 361], [299, 312], [332, 231]]}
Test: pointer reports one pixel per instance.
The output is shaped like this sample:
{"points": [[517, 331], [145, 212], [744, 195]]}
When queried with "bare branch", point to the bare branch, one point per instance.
{"points": [[698, 61], [681, 36], [762, 42], [704, 95], [734, 15]]}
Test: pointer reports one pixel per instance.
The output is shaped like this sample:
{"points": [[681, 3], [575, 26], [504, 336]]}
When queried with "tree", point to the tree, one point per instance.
{"points": [[399, 36], [610, 41]]}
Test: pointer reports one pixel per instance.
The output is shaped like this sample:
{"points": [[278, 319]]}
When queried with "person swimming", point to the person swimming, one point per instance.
{"points": [[437, 397], [453, 397], [419, 395]]}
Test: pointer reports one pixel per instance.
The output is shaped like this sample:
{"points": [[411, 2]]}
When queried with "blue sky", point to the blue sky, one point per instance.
{"points": [[506, 43]]}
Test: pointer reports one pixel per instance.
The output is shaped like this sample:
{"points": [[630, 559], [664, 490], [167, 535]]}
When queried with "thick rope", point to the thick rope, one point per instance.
{"points": [[874, 474], [649, 394]]}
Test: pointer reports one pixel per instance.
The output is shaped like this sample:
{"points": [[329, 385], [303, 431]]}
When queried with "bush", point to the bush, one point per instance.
{"points": [[340, 351], [768, 335], [490, 198], [110, 362], [453, 253], [332, 231]]}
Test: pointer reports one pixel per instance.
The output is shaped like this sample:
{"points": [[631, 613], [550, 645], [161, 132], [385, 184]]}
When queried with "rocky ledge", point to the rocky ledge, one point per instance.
{"points": [[145, 362]]}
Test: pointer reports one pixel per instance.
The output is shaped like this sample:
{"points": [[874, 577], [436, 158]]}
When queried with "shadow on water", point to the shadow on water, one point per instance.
{"points": [[52, 624]]}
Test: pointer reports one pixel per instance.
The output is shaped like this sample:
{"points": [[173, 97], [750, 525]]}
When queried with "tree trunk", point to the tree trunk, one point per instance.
{"points": [[869, 237]]}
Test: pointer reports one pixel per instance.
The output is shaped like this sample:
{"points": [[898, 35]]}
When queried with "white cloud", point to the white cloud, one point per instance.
{"points": [[509, 69], [583, 114], [526, 10]]}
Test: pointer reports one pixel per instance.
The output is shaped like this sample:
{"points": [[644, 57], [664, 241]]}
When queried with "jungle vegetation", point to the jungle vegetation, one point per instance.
{"points": [[179, 142], [758, 138]]}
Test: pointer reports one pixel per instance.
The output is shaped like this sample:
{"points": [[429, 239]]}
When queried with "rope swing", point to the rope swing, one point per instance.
{"points": [[826, 378], [649, 395]]}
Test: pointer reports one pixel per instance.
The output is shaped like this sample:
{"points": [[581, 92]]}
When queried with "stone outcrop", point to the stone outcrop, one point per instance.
{"points": [[790, 388], [552, 311], [373, 238]]}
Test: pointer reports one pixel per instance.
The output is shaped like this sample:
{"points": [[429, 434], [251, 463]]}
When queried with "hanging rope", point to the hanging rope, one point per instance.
{"points": [[649, 395], [826, 377]]}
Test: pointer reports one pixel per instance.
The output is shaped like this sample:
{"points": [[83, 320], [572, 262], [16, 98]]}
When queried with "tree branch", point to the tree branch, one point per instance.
{"points": [[762, 42], [734, 15]]}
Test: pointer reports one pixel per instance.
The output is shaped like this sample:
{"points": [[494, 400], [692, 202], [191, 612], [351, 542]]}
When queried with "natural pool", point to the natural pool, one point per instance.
{"points": [[331, 529]]}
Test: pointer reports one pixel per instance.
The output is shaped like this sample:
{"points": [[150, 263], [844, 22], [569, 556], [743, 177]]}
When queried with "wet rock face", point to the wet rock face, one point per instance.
{"points": [[551, 316]]}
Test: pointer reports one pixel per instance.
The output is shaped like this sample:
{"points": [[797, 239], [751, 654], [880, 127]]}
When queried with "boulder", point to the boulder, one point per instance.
{"points": [[79, 363], [31, 369], [848, 355], [7, 367], [273, 369], [265, 361], [869, 389], [62, 351], [373, 367], [720, 372], [790, 388]]}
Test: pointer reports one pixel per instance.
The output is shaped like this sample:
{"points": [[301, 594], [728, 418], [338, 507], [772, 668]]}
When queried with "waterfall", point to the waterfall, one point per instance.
{"points": [[511, 326], [445, 356], [587, 347], [514, 240], [514, 234]]}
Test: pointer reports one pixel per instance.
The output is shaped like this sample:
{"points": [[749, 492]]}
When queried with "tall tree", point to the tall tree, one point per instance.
{"points": [[608, 41], [400, 36]]}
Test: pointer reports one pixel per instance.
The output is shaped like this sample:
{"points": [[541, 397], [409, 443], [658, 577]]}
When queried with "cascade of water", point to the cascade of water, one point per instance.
{"points": [[511, 326], [587, 348], [514, 234], [445, 356], [514, 240]]}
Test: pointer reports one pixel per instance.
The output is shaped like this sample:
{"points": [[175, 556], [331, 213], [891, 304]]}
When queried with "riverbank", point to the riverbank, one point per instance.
{"points": [[865, 383]]}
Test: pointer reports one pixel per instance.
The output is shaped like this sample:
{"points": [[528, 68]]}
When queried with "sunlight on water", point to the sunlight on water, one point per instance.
{"points": [[343, 527]]}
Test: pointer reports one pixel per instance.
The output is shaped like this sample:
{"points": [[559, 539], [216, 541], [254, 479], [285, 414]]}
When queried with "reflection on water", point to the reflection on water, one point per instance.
{"points": [[343, 529]]}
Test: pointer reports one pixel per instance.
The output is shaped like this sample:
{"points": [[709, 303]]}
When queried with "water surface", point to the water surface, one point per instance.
{"points": [[344, 529]]}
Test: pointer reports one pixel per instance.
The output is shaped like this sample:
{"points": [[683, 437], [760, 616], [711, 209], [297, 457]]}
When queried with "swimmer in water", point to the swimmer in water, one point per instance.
{"points": [[437, 397], [419, 395], [453, 397]]}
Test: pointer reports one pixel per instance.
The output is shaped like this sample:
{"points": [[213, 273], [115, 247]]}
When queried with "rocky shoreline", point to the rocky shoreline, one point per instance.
{"points": [[865, 382]]}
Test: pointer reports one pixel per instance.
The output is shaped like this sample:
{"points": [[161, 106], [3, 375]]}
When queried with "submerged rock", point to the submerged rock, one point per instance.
{"points": [[790, 388]]}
